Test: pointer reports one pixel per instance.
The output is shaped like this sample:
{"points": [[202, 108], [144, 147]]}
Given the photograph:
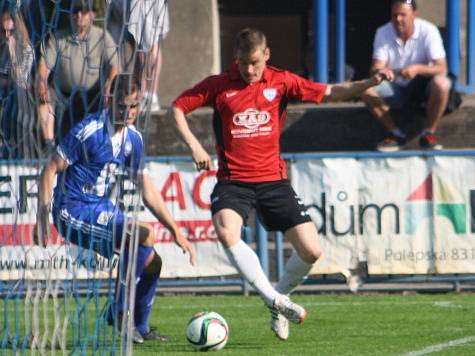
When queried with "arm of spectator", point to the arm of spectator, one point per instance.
{"points": [[42, 82], [114, 70], [378, 65], [200, 156], [437, 67], [347, 90], [42, 230]]}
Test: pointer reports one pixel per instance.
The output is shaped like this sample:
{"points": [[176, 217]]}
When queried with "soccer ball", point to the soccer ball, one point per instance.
{"points": [[207, 331]]}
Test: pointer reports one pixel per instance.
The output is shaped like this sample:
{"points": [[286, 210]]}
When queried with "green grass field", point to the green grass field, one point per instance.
{"points": [[378, 324], [337, 325]]}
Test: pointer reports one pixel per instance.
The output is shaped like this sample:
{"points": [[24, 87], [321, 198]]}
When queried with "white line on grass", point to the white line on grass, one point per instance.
{"points": [[440, 347], [205, 302]]}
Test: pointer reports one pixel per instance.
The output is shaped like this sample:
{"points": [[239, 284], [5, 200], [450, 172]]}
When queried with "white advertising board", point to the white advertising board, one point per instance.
{"points": [[405, 215]]}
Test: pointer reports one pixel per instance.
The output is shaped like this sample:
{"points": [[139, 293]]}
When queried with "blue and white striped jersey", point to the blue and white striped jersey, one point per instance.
{"points": [[96, 154]]}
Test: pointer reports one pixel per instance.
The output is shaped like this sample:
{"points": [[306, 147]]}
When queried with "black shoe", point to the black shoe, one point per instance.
{"points": [[428, 141], [391, 143], [154, 335], [136, 336]]}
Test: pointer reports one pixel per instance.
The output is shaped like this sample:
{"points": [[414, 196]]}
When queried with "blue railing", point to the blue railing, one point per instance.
{"points": [[453, 21]]}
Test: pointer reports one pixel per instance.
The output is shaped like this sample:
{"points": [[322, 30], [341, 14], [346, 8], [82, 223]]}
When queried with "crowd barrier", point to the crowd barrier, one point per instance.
{"points": [[407, 216]]}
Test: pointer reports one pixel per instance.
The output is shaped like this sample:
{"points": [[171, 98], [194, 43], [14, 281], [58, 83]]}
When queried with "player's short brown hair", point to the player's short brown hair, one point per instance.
{"points": [[248, 40], [124, 85]]}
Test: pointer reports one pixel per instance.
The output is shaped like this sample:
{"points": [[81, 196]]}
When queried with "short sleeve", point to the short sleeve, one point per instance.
{"points": [[202, 94], [380, 49], [70, 147], [302, 89], [434, 44]]}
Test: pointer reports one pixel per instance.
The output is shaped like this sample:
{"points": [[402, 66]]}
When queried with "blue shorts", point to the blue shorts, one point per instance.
{"points": [[393, 94], [398, 96], [97, 227]]}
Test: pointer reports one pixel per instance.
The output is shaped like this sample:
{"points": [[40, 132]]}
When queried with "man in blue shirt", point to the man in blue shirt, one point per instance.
{"points": [[86, 164]]}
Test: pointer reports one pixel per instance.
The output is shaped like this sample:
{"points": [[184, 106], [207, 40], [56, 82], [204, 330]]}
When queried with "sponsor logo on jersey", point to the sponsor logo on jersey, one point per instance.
{"points": [[251, 118], [270, 93]]}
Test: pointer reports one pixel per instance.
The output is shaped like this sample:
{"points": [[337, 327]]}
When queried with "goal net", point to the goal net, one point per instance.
{"points": [[56, 68]]}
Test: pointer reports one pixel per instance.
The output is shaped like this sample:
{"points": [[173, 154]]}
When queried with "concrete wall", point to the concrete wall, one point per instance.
{"points": [[191, 50]]}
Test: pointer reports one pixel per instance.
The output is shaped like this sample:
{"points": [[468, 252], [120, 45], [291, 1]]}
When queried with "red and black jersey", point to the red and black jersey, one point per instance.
{"points": [[249, 118]]}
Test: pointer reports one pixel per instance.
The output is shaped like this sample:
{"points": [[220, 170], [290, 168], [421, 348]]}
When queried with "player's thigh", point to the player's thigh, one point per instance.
{"points": [[278, 206], [228, 225], [304, 238], [230, 206]]}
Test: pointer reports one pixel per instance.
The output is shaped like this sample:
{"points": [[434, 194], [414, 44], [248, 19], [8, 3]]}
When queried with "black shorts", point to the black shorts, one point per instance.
{"points": [[277, 205]]}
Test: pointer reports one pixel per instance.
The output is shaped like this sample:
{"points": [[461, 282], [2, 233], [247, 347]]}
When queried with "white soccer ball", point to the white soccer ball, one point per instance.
{"points": [[207, 331]]}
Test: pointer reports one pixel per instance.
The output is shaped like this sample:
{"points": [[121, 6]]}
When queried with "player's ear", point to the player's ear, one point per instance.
{"points": [[267, 54]]}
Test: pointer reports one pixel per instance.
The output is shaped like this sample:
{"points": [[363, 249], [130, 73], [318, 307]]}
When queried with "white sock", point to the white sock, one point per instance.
{"points": [[295, 272], [247, 263], [397, 132]]}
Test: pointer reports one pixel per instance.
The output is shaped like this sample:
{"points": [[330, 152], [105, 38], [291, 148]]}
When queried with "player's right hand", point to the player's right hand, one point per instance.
{"points": [[202, 159]]}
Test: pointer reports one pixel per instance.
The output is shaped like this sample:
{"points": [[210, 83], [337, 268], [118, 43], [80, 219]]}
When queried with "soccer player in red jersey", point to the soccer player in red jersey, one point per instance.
{"points": [[250, 107]]}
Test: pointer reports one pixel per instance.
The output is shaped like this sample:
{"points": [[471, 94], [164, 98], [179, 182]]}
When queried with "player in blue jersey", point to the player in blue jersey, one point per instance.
{"points": [[86, 163]]}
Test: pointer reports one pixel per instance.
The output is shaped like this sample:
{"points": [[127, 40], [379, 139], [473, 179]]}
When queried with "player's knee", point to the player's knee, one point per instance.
{"points": [[227, 237], [155, 265], [311, 255]]}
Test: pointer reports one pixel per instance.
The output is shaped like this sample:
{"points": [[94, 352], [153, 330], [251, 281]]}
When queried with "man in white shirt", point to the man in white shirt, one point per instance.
{"points": [[413, 49]]}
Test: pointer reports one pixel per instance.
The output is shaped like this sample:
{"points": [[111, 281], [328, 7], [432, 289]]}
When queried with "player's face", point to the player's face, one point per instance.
{"points": [[402, 17], [251, 65], [127, 109]]}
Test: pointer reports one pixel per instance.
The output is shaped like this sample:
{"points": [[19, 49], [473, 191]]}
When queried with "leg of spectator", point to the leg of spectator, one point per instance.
{"points": [[379, 109], [156, 66], [439, 88]]}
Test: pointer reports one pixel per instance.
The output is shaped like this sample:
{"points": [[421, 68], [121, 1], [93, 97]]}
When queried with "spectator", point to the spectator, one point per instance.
{"points": [[147, 25], [16, 59], [83, 211], [83, 61], [250, 108], [412, 49]]}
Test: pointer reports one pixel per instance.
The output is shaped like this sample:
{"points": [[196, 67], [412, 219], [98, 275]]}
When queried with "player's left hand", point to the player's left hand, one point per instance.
{"points": [[186, 246]]}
